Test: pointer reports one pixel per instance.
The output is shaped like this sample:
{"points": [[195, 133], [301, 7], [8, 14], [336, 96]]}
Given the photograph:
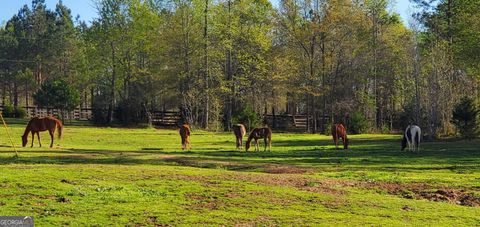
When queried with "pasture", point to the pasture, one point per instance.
{"points": [[107, 176]]}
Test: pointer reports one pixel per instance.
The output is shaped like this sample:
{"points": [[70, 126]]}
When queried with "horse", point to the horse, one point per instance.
{"points": [[185, 134], [259, 133], [40, 124], [339, 131], [411, 137], [239, 131]]}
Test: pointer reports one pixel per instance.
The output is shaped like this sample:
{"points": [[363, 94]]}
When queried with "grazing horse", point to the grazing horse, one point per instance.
{"points": [[239, 131], [40, 124], [259, 133], [339, 131], [185, 134], [411, 137]]}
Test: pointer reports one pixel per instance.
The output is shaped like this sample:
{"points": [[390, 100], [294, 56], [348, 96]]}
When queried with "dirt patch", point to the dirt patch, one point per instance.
{"points": [[267, 168], [275, 169], [67, 181], [428, 192], [63, 200], [201, 202], [283, 180], [459, 197]]}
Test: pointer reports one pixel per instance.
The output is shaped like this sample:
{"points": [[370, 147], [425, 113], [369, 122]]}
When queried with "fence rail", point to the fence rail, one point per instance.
{"points": [[77, 114]]}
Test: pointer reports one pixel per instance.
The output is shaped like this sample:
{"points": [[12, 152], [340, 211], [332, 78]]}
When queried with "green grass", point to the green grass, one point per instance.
{"points": [[116, 176]]}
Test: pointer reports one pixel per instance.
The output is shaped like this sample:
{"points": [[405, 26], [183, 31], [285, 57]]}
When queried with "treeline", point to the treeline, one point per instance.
{"points": [[221, 61]]}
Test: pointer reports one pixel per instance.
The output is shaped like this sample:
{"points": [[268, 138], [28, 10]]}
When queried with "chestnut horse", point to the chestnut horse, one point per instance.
{"points": [[259, 133], [339, 131], [185, 134], [40, 124], [239, 131]]}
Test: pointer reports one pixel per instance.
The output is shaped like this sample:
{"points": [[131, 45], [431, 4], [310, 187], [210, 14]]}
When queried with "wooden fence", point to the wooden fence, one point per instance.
{"points": [[165, 118], [77, 114]]}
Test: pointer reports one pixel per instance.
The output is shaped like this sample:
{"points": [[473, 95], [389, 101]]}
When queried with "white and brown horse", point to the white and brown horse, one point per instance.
{"points": [[411, 138], [339, 131], [259, 133], [240, 132]]}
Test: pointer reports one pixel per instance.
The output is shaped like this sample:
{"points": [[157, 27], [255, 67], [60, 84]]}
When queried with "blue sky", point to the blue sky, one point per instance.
{"points": [[87, 11]]}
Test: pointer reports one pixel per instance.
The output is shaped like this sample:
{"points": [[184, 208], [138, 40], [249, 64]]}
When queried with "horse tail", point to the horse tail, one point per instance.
{"points": [[334, 131], [269, 138], [60, 128]]}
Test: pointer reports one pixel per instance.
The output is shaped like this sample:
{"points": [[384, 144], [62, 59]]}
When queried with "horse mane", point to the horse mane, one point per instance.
{"points": [[250, 137], [29, 126]]}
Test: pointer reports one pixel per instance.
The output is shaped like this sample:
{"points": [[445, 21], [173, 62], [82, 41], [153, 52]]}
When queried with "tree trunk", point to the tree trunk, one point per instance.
{"points": [[229, 76], [207, 95], [111, 105]]}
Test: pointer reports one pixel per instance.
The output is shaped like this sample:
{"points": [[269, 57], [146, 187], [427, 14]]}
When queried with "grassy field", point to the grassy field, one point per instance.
{"points": [[140, 177]]}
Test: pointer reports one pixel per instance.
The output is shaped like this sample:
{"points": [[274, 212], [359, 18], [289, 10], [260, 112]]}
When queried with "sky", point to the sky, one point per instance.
{"points": [[87, 11]]}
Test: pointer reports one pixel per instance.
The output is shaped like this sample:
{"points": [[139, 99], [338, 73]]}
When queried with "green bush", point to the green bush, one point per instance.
{"points": [[465, 118], [57, 94], [20, 112], [99, 110], [12, 112], [8, 111], [358, 123], [247, 117]]}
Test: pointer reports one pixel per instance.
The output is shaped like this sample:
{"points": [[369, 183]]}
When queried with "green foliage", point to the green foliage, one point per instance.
{"points": [[20, 112], [465, 118], [57, 94], [99, 110], [130, 112], [247, 117], [358, 123], [8, 111], [12, 112]]}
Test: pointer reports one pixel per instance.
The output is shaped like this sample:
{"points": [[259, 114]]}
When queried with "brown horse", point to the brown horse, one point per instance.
{"points": [[239, 131], [339, 131], [259, 133], [40, 124], [185, 134]]}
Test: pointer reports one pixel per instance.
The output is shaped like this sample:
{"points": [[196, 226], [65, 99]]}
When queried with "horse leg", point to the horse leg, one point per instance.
{"points": [[183, 143], [33, 137], [51, 138], [269, 144], [265, 143], [335, 140], [256, 145], [239, 143], [39, 141]]}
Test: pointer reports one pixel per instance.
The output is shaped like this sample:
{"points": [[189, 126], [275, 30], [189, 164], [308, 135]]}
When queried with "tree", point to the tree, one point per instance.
{"points": [[57, 94], [465, 118]]}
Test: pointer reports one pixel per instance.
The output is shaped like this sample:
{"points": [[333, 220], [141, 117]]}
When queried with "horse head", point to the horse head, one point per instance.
{"points": [[247, 145], [24, 140]]}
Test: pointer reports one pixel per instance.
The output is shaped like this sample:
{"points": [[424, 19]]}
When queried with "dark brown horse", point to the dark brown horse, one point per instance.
{"points": [[339, 131], [40, 124], [185, 134], [259, 133], [239, 131]]}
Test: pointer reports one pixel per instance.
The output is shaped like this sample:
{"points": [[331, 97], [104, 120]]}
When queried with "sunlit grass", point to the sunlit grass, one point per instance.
{"points": [[107, 176]]}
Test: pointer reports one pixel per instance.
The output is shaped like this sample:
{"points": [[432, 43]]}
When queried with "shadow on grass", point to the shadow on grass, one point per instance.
{"points": [[367, 155]]}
